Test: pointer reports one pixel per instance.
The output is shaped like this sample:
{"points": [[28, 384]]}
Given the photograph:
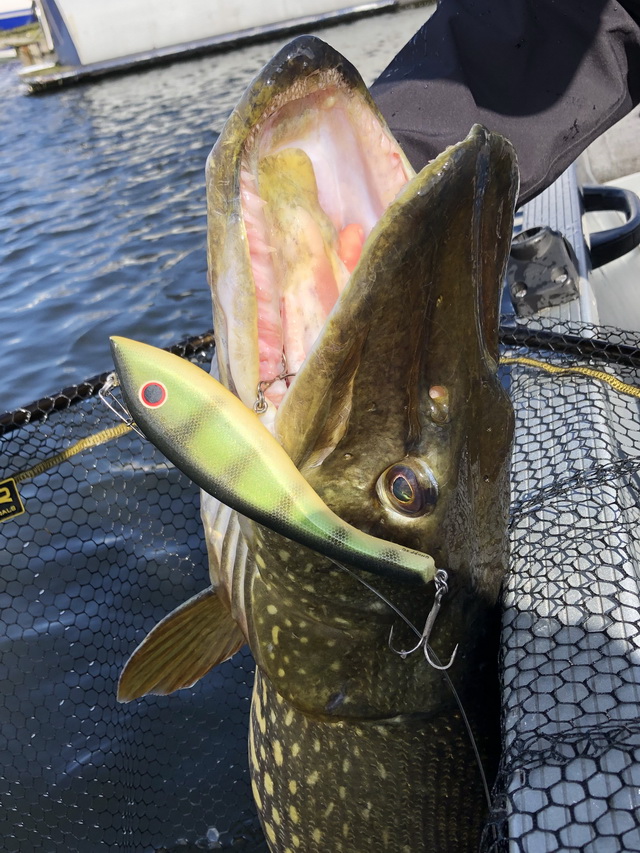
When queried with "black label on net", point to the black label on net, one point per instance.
{"points": [[10, 503]]}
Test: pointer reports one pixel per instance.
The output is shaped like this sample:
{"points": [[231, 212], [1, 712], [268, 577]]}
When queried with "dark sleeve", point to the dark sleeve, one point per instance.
{"points": [[550, 75]]}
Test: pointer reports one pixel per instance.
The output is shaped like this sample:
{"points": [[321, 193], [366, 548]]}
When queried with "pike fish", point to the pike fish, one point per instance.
{"points": [[355, 453]]}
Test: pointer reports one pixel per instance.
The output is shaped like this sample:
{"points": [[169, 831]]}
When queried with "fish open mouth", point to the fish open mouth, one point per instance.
{"points": [[317, 173], [313, 167]]}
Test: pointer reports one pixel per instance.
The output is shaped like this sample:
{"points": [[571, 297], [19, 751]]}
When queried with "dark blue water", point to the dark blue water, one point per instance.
{"points": [[103, 209]]}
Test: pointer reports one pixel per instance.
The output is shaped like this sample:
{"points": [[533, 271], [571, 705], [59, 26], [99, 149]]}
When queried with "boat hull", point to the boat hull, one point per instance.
{"points": [[12, 16]]}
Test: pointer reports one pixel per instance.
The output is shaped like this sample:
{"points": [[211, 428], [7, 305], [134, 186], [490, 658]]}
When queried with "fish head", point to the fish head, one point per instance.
{"points": [[356, 307]]}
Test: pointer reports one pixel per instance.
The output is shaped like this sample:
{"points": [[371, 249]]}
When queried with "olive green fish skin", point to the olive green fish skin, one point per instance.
{"points": [[402, 785]]}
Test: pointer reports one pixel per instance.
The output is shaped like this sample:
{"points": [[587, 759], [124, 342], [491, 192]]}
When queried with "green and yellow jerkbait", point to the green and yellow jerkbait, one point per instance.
{"points": [[224, 448], [357, 304]]}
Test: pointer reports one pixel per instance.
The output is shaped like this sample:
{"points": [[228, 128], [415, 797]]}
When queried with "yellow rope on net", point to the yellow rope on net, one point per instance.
{"points": [[84, 444], [591, 372], [115, 432]]}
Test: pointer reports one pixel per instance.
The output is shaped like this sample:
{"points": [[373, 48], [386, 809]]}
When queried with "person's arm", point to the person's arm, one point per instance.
{"points": [[550, 75]]}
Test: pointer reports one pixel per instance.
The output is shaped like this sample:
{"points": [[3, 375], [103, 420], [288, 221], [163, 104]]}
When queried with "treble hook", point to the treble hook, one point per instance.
{"points": [[260, 406], [117, 407], [442, 587]]}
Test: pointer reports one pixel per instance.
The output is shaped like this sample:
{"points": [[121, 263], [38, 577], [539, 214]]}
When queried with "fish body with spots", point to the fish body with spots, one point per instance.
{"points": [[356, 308]]}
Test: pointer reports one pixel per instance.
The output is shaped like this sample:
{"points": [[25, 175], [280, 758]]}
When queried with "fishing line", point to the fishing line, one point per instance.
{"points": [[418, 633]]}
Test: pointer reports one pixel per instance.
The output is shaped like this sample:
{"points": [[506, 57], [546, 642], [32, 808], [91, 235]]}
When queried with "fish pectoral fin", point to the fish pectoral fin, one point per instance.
{"points": [[183, 647]]}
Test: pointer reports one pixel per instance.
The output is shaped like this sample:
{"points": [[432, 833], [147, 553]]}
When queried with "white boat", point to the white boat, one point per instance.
{"points": [[86, 38], [14, 13]]}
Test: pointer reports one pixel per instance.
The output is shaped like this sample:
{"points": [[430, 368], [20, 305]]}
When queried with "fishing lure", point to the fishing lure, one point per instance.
{"points": [[210, 435]]}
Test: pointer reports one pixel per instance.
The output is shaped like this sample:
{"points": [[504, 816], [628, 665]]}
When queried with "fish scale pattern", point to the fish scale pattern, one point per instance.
{"points": [[110, 541]]}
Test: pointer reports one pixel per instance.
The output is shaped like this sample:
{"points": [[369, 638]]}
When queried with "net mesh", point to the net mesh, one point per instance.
{"points": [[110, 541], [570, 769]]}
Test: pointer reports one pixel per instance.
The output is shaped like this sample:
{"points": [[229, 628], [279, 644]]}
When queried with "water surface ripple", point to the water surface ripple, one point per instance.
{"points": [[103, 209]]}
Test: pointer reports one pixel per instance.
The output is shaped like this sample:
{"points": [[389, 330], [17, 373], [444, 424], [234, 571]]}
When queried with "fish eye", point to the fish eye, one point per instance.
{"points": [[408, 487], [153, 394]]}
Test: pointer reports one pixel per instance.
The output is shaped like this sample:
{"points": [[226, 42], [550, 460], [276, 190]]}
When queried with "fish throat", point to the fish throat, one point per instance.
{"points": [[336, 786]]}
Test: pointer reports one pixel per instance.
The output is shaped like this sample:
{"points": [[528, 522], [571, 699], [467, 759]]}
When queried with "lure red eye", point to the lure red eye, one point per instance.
{"points": [[153, 395]]}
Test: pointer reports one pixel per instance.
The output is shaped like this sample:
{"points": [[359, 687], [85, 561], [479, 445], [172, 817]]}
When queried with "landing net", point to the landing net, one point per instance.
{"points": [[570, 770], [110, 541]]}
